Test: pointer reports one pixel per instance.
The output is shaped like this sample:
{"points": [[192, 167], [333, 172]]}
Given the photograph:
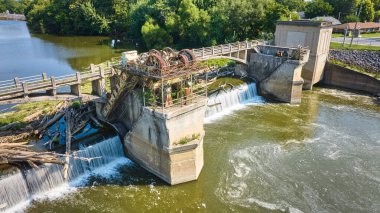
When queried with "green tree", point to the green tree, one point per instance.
{"points": [[154, 36], [351, 18], [292, 5], [377, 16], [344, 7], [318, 8], [368, 11], [193, 23]]}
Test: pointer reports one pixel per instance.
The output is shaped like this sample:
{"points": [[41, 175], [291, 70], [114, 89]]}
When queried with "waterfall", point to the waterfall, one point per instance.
{"points": [[225, 101], [21, 186]]}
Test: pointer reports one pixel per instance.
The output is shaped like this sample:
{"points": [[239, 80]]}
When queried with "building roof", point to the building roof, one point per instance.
{"points": [[331, 19], [361, 25]]}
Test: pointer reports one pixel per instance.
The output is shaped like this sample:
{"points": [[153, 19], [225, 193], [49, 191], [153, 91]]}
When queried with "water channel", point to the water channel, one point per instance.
{"points": [[320, 156]]}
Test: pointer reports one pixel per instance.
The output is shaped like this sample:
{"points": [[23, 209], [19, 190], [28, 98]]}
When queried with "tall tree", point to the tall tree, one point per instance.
{"points": [[368, 11], [318, 8]]}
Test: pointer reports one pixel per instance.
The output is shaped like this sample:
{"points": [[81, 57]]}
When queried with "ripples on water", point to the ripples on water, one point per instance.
{"points": [[335, 169]]}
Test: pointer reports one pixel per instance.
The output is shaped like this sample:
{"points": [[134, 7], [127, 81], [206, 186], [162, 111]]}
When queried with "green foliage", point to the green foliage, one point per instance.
{"points": [[351, 18], [186, 140], [344, 7], [13, 6], [21, 111], [377, 16], [356, 68], [335, 45], [368, 11], [76, 104], [218, 62], [154, 36], [318, 8]]}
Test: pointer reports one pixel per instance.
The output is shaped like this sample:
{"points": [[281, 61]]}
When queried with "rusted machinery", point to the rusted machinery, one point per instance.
{"points": [[164, 62]]}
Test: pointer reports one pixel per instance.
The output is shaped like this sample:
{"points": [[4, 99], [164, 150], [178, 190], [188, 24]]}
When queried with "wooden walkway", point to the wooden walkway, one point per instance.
{"points": [[12, 90], [18, 90]]}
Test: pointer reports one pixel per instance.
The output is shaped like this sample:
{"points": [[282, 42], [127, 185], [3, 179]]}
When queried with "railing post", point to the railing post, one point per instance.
{"points": [[203, 52], [101, 72], [92, 67], [246, 44], [221, 47], [53, 90], [17, 82], [25, 88], [44, 76], [79, 79], [108, 64], [212, 50]]}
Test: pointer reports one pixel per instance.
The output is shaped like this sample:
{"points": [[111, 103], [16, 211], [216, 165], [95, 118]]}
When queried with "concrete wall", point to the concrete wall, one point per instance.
{"points": [[345, 78], [153, 139], [314, 35], [279, 77]]}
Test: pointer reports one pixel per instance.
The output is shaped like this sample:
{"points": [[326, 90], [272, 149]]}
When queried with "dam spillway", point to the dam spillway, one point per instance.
{"points": [[21, 185], [218, 103]]}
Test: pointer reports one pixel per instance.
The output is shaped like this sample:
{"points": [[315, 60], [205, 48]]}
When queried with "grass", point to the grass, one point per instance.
{"points": [[224, 80], [370, 35], [338, 46], [363, 35], [218, 62], [355, 68], [21, 111], [87, 86], [186, 140]]}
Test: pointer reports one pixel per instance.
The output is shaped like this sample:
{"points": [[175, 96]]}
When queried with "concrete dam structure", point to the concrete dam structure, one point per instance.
{"points": [[159, 100]]}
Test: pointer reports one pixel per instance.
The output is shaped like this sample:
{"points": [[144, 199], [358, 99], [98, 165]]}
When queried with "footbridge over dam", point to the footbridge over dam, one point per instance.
{"points": [[158, 99]]}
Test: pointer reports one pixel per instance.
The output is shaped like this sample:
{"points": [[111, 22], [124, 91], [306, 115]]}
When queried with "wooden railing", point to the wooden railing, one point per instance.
{"points": [[31, 84], [224, 49]]}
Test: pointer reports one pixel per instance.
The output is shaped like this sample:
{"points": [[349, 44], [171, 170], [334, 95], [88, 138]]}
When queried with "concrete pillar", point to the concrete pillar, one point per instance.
{"points": [[25, 89], [77, 89], [169, 144], [53, 90], [98, 87], [314, 35]]}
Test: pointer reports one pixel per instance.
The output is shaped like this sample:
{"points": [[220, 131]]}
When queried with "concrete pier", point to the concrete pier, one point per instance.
{"points": [[312, 34], [167, 143]]}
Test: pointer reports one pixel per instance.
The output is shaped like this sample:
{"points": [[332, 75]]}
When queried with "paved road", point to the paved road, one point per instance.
{"points": [[362, 41]]}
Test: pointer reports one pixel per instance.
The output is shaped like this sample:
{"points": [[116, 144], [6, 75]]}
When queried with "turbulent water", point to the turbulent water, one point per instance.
{"points": [[319, 156], [222, 103], [22, 185]]}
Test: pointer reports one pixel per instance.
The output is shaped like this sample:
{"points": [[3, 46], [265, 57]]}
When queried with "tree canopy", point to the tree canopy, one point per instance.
{"points": [[159, 23]]}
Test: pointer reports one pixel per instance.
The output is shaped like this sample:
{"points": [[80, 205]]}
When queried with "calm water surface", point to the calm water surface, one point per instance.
{"points": [[321, 156], [26, 54]]}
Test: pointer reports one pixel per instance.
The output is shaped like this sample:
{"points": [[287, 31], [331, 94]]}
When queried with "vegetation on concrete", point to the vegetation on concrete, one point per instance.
{"points": [[186, 140], [336, 45], [223, 81], [218, 62], [356, 68]]}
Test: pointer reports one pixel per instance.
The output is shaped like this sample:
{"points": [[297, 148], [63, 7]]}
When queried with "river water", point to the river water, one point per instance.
{"points": [[320, 156], [25, 54]]}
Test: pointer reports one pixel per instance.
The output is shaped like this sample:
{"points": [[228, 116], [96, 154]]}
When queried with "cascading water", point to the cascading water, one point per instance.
{"points": [[20, 186], [218, 103]]}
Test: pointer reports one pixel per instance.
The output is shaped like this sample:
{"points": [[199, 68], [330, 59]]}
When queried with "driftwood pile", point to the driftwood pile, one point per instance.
{"points": [[14, 148]]}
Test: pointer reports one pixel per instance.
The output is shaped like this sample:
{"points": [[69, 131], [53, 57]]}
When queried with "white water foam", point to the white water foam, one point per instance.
{"points": [[225, 103], [47, 182]]}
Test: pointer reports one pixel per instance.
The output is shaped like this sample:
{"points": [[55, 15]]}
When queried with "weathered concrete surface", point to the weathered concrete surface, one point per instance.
{"points": [[368, 60], [279, 77], [345, 78], [314, 35], [153, 139]]}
